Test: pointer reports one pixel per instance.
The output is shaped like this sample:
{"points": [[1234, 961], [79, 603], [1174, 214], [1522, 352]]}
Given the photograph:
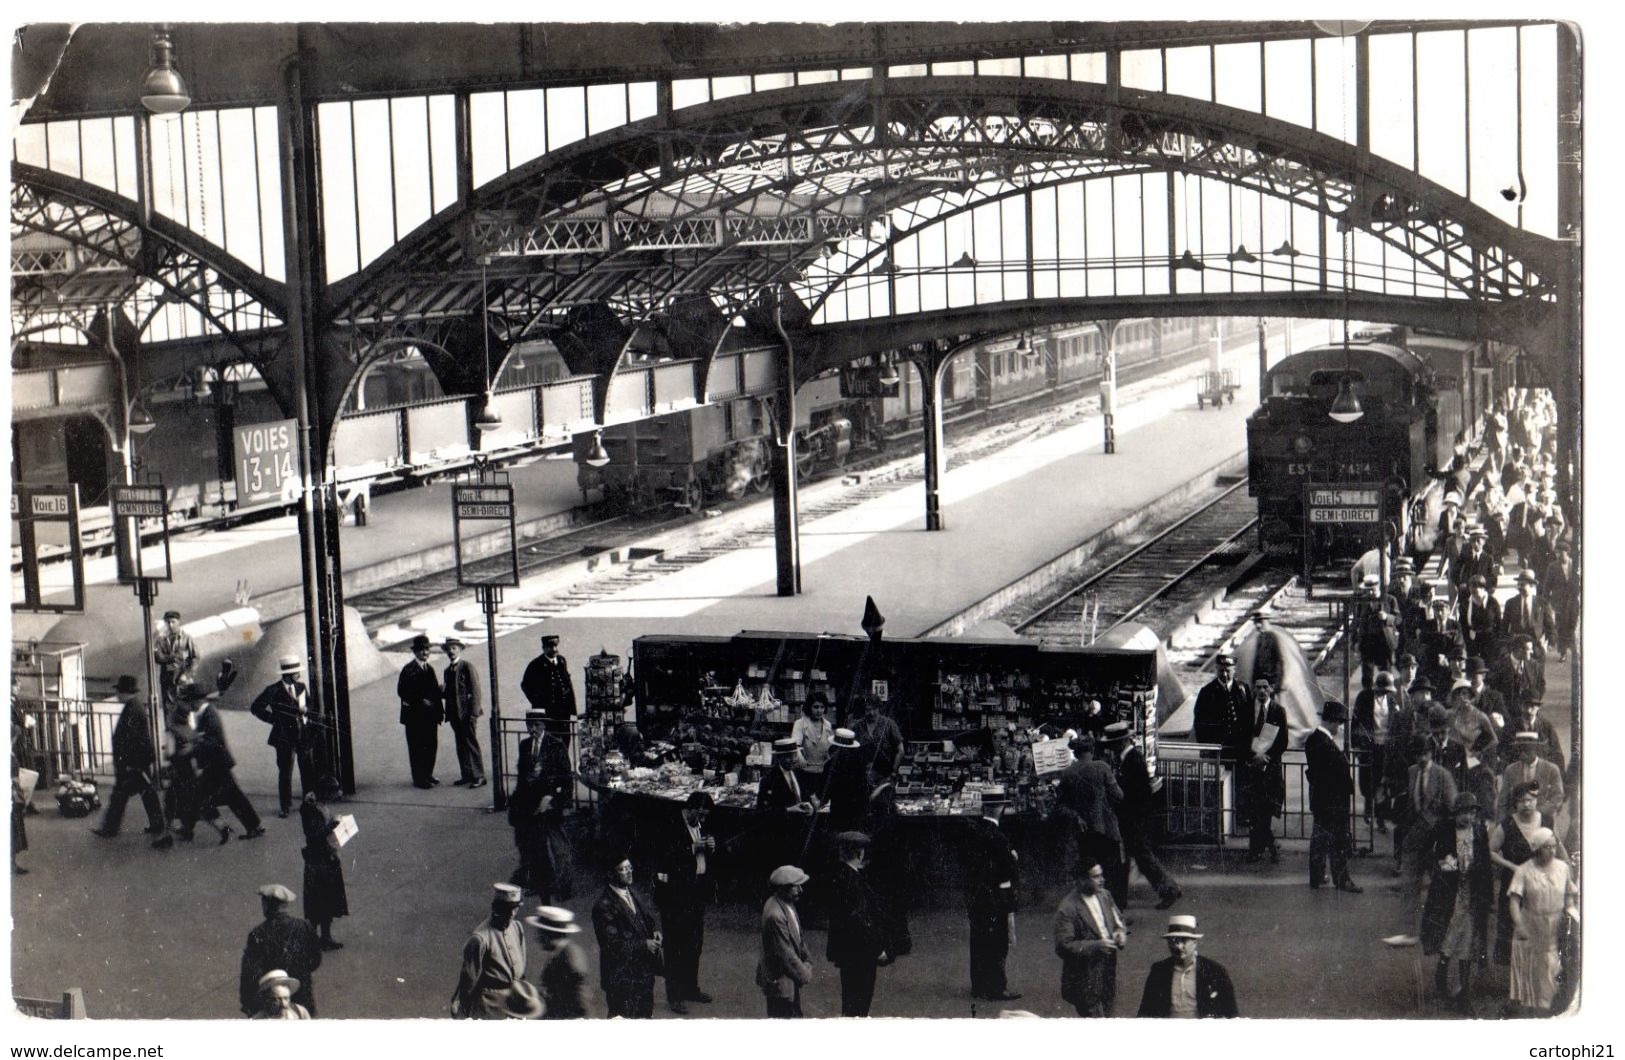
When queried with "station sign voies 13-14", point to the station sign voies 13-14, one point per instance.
{"points": [[267, 466]]}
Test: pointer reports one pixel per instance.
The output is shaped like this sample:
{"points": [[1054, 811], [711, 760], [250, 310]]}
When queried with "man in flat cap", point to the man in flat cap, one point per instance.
{"points": [[422, 710], [630, 945], [1331, 789], [858, 925], [991, 901], [133, 767], [460, 688], [285, 707], [1089, 932], [785, 965], [493, 960], [280, 942], [176, 655], [1187, 985], [685, 875], [547, 685]]}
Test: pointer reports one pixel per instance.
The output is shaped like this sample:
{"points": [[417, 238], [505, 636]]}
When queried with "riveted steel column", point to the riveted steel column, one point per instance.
{"points": [[786, 528], [930, 365]]}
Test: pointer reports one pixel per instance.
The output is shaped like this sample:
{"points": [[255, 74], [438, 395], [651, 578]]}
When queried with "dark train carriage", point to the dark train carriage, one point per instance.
{"points": [[1294, 442]]}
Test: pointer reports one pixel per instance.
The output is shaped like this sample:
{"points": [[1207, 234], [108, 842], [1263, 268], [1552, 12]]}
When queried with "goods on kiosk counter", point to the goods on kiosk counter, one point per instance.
{"points": [[708, 709]]}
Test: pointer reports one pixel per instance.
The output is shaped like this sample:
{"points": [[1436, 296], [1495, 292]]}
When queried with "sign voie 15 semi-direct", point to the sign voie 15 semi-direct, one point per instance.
{"points": [[267, 468]]}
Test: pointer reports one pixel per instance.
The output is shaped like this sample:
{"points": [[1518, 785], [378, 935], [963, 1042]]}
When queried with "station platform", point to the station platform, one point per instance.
{"points": [[420, 869]]}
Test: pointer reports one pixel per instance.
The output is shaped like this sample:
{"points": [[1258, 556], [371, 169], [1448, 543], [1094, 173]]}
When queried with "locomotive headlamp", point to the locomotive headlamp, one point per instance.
{"points": [[1301, 445]]}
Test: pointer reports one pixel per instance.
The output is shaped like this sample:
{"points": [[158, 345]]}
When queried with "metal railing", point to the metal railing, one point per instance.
{"points": [[68, 737]]}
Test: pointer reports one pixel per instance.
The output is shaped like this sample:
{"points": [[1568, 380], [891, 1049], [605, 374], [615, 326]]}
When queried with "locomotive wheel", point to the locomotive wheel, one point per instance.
{"points": [[694, 496], [761, 475]]}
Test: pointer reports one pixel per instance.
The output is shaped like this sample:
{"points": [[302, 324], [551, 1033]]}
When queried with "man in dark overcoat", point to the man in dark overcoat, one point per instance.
{"points": [[281, 941], [1260, 781], [133, 760], [283, 706], [1186, 984], [547, 684], [422, 711], [629, 945], [460, 691], [992, 901], [216, 783], [685, 875], [1136, 815], [1331, 789], [1528, 615], [858, 925], [1089, 794]]}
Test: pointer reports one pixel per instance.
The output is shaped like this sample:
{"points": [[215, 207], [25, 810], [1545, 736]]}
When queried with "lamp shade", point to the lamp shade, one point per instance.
{"points": [[1346, 406], [597, 456], [889, 375], [141, 421], [489, 418], [163, 90]]}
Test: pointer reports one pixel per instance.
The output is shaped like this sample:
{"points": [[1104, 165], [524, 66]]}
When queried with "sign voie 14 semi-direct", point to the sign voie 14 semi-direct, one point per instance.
{"points": [[487, 555]]}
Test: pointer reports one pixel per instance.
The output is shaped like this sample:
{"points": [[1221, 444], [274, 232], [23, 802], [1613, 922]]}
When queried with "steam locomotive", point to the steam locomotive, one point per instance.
{"points": [[1350, 439]]}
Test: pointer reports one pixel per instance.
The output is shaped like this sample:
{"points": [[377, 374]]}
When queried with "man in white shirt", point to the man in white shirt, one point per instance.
{"points": [[1088, 933], [813, 734]]}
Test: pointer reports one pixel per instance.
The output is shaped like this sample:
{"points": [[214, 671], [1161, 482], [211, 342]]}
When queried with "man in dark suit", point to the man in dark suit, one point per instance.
{"points": [[283, 707], [536, 809], [1136, 814], [1520, 677], [685, 877], [780, 787], [858, 925], [1331, 789], [216, 784], [992, 901], [1480, 618], [422, 711], [1261, 785], [1187, 985], [1527, 615], [1088, 934], [132, 767], [629, 945], [460, 691], [1439, 639], [1224, 712], [280, 941], [547, 685], [1088, 792], [1476, 562]]}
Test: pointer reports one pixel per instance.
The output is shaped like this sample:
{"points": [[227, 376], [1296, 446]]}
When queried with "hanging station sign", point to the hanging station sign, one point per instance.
{"points": [[267, 467], [483, 524], [47, 562], [133, 505]]}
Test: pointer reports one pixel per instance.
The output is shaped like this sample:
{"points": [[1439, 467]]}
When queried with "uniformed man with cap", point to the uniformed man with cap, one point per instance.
{"points": [[785, 965], [176, 655], [1331, 790], [284, 706], [281, 942], [493, 960], [1224, 712], [547, 685], [460, 690], [858, 924], [422, 711]]}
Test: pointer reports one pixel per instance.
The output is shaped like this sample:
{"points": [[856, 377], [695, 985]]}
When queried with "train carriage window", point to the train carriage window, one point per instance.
{"points": [[1333, 377], [1284, 383]]}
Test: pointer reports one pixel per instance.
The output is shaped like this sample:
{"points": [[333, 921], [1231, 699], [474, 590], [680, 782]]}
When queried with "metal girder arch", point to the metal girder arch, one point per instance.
{"points": [[167, 253], [694, 329], [986, 119], [594, 341], [827, 346]]}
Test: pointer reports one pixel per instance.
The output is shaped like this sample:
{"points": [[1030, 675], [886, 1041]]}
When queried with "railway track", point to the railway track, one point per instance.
{"points": [[1156, 580]]}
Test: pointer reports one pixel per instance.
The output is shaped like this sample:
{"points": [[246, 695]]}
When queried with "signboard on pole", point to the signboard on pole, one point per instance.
{"points": [[479, 510], [1340, 505], [267, 466], [47, 563], [131, 505]]}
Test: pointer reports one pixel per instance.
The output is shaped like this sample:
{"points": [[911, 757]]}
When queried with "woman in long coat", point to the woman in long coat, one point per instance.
{"points": [[325, 898], [1456, 917]]}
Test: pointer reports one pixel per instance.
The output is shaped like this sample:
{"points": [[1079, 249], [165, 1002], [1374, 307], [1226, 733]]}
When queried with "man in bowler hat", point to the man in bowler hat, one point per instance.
{"points": [[422, 710], [133, 767]]}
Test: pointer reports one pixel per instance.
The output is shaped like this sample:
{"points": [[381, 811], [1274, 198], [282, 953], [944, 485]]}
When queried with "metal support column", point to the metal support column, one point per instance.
{"points": [[786, 517], [1263, 360], [930, 365], [490, 600]]}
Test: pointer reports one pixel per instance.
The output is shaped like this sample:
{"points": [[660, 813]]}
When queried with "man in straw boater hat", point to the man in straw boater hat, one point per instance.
{"points": [[992, 901], [1186, 985], [564, 967], [422, 710], [493, 960], [1330, 791], [281, 942], [276, 998], [284, 706]]}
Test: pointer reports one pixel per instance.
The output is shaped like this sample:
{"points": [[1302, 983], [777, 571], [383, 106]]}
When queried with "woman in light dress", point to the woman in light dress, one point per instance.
{"points": [[1541, 894]]}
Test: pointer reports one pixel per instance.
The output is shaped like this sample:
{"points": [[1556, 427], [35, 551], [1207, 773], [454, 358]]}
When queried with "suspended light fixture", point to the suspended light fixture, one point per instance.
{"points": [[1023, 347], [1285, 250], [1346, 406], [965, 261], [889, 376], [489, 418], [163, 90], [141, 421], [597, 456], [1188, 260], [1341, 27], [203, 388], [1241, 253]]}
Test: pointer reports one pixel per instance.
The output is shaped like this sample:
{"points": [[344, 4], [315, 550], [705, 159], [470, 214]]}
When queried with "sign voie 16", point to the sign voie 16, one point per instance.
{"points": [[267, 468]]}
